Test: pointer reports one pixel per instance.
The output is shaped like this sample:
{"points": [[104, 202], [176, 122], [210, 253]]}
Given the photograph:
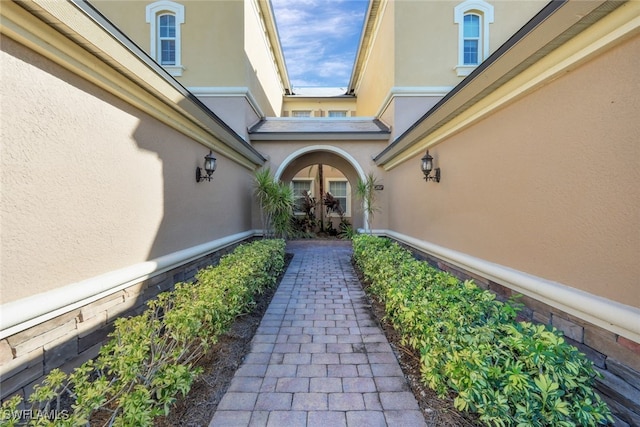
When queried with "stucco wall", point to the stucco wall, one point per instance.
{"points": [[426, 45], [547, 186], [235, 111], [322, 105], [90, 184], [211, 30]]}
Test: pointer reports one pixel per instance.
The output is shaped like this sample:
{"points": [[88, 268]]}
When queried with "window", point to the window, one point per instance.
{"points": [[300, 186], [165, 19], [473, 18], [167, 39], [471, 34], [335, 113], [301, 113], [340, 190]]}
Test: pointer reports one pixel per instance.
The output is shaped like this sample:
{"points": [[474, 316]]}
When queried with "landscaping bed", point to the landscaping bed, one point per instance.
{"points": [[507, 372], [196, 409], [154, 358]]}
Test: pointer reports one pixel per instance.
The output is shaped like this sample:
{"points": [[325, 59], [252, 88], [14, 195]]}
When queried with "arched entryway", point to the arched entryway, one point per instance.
{"points": [[333, 157]]}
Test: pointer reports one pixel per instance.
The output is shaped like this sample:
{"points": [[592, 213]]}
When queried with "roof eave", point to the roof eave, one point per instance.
{"points": [[324, 136], [364, 45], [271, 27]]}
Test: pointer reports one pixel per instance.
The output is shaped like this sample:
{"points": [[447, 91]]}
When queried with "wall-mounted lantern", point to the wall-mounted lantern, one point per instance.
{"points": [[209, 168], [427, 167]]}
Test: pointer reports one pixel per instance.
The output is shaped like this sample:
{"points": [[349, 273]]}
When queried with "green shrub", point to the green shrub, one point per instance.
{"points": [[508, 372], [150, 359]]}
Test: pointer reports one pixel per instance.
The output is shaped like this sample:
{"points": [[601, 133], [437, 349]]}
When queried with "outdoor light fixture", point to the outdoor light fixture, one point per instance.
{"points": [[209, 168], [427, 167]]}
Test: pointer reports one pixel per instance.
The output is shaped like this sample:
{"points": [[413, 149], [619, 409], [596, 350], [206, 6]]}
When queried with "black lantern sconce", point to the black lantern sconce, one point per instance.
{"points": [[427, 167], [209, 168]]}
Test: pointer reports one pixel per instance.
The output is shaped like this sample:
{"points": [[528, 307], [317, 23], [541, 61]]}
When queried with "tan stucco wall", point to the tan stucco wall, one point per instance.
{"points": [[416, 52], [361, 151], [426, 44], [212, 30], [90, 184], [409, 109], [426, 54], [322, 105], [547, 186], [235, 111]]}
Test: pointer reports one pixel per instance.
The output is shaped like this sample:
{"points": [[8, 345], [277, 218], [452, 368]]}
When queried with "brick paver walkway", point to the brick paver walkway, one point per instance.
{"points": [[318, 357]]}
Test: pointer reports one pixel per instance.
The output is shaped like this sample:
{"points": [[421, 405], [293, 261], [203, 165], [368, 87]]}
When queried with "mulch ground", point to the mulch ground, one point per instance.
{"points": [[220, 363]]}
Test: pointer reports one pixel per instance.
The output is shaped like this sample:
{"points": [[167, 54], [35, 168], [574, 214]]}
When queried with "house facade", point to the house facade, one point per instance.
{"points": [[527, 108]]}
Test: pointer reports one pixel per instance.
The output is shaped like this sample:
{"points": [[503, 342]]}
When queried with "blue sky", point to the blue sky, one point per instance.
{"points": [[319, 39]]}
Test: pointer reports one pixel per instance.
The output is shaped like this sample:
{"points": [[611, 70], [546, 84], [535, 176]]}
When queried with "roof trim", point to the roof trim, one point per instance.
{"points": [[271, 28], [369, 25], [558, 22], [291, 129]]}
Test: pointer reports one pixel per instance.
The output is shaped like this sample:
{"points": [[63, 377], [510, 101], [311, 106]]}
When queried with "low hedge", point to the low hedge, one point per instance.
{"points": [[150, 359], [508, 372]]}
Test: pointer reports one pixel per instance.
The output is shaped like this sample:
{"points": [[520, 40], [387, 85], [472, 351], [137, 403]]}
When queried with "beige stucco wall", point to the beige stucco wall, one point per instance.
{"points": [[319, 105], [91, 185], [235, 111], [547, 186], [360, 151], [426, 44], [415, 53], [425, 54], [212, 30], [409, 109]]}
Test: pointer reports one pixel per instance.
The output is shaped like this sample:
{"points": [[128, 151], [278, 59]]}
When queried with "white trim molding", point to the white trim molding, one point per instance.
{"points": [[610, 315], [31, 311], [152, 12]]}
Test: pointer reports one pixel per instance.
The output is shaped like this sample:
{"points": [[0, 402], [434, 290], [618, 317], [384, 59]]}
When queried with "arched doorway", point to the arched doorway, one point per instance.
{"points": [[342, 167]]}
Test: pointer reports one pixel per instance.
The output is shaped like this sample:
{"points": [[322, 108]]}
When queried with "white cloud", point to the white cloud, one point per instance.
{"points": [[319, 39]]}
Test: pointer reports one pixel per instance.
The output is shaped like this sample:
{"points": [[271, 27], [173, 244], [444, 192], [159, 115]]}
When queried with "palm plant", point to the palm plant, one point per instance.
{"points": [[276, 204], [365, 191]]}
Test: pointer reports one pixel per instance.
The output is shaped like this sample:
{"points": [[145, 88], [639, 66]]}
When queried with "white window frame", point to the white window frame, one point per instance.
{"points": [[311, 186], [153, 12], [485, 11], [347, 209], [343, 113], [301, 113]]}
